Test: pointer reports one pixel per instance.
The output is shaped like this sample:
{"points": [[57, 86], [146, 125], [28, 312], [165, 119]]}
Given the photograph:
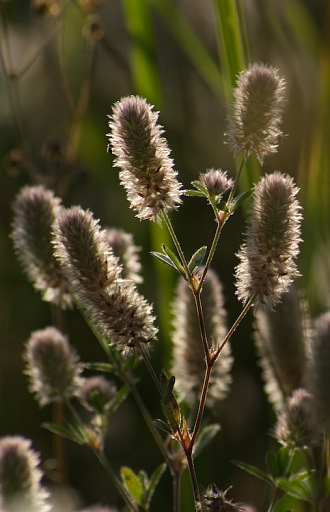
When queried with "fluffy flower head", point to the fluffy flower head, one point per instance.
{"points": [[20, 476], [254, 125], [52, 366], [112, 303], [35, 210], [142, 154], [267, 265]]}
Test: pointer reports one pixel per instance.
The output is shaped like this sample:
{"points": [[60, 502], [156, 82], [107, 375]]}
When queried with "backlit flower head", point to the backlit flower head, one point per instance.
{"points": [[254, 124], [96, 394], [267, 265], [188, 364], [52, 366], [216, 183], [20, 477], [282, 338], [123, 247], [318, 371], [142, 154], [112, 303], [35, 209], [297, 424]]}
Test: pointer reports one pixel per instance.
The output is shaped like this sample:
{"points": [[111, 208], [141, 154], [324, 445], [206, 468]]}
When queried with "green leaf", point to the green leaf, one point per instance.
{"points": [[194, 193], [119, 398], [101, 367], [78, 437], [162, 426], [240, 199], [300, 486], [132, 484], [272, 464], [255, 472], [169, 403], [284, 457], [200, 187], [206, 435], [153, 482], [174, 259], [164, 258], [197, 258]]}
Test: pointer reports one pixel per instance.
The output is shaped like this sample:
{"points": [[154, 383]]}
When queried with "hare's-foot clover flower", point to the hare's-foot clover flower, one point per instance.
{"points": [[52, 366], [216, 183], [188, 363], [123, 247], [142, 154], [297, 425], [282, 338], [20, 477], [318, 371], [35, 210], [254, 124], [97, 393], [267, 265], [112, 303]]}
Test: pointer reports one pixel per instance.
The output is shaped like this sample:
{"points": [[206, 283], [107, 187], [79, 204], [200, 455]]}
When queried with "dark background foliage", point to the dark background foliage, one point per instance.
{"points": [[48, 64]]}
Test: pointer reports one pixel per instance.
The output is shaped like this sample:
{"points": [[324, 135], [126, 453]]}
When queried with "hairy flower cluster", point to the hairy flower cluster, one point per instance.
{"points": [[97, 393], [123, 247], [282, 338], [112, 304], [142, 154], [267, 265], [318, 371], [35, 210], [188, 364], [254, 125], [20, 477], [216, 183], [52, 366], [297, 425]]}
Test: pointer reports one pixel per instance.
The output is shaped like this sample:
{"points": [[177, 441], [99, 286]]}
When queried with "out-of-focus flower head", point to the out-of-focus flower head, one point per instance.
{"points": [[254, 124]]}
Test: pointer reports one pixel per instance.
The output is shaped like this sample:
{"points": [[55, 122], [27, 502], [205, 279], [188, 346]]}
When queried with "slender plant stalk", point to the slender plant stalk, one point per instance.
{"points": [[75, 134], [177, 245], [234, 326], [202, 328], [148, 364], [193, 478], [59, 445], [111, 473]]}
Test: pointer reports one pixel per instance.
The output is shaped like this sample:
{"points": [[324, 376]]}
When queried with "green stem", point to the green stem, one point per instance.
{"points": [[199, 308], [153, 429], [220, 223], [177, 245], [234, 326], [202, 401], [148, 364], [110, 472], [193, 478], [233, 190]]}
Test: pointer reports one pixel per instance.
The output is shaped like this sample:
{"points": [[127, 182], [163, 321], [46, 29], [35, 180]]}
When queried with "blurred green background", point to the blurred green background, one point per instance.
{"points": [[63, 66]]}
